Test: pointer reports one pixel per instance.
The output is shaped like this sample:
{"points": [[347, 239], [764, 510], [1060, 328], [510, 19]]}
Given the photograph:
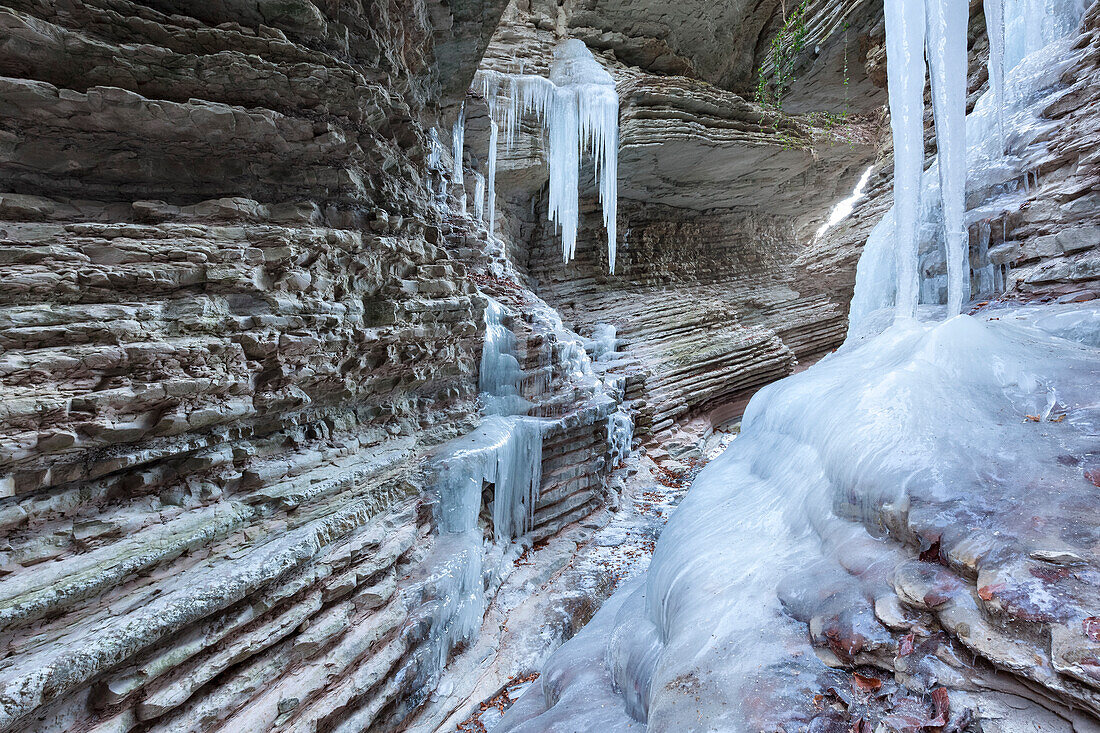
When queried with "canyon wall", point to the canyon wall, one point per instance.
{"points": [[231, 333], [718, 195], [240, 327]]}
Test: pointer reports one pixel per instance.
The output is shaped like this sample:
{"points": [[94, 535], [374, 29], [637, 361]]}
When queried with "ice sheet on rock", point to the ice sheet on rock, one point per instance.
{"points": [[504, 456], [479, 196], [929, 416], [458, 134], [576, 691], [500, 374], [578, 108], [1037, 51], [505, 452]]}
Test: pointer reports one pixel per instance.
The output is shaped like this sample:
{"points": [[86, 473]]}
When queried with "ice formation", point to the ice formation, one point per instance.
{"points": [[995, 31], [578, 108], [947, 21], [458, 134], [908, 244], [905, 22], [505, 453], [912, 417], [915, 424], [479, 196]]}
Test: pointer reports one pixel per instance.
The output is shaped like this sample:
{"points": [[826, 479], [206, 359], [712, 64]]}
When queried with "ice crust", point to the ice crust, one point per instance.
{"points": [[578, 109]]}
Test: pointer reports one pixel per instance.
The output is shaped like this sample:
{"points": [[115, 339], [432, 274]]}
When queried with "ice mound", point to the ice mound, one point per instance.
{"points": [[972, 439]]}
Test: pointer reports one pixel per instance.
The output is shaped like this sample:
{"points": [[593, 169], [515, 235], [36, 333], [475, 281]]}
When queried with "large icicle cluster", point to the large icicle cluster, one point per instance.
{"points": [[979, 157], [579, 111], [939, 26]]}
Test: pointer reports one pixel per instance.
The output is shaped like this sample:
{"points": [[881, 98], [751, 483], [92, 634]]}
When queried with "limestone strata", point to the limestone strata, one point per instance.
{"points": [[231, 334]]}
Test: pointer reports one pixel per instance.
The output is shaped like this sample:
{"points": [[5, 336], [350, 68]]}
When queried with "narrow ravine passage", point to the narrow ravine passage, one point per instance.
{"points": [[554, 366]]}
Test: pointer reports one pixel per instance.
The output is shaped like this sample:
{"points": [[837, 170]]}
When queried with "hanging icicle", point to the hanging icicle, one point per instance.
{"points": [[947, 22], [905, 32], [457, 136], [579, 110], [995, 29]]}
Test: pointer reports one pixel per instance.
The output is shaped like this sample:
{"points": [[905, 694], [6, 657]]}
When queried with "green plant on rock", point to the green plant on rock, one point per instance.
{"points": [[783, 54]]}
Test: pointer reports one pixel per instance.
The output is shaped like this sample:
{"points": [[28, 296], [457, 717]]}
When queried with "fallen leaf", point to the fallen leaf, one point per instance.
{"points": [[1092, 627], [986, 592], [941, 707], [1032, 418], [905, 646], [865, 684]]}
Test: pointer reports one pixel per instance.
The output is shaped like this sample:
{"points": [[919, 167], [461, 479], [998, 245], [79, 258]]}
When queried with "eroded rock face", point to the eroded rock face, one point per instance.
{"points": [[718, 194], [231, 332]]}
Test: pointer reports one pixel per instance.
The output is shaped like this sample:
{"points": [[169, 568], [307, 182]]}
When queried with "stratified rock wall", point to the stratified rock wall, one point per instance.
{"points": [[717, 196], [230, 331]]}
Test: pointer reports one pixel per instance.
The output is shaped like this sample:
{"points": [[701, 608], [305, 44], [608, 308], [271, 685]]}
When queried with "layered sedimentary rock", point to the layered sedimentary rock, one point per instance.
{"points": [[717, 195], [234, 334]]}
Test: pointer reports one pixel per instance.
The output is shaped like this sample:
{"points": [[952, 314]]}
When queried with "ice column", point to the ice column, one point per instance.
{"points": [[457, 136], [905, 32], [584, 117], [479, 196], [947, 22], [494, 138], [943, 24], [995, 30]]}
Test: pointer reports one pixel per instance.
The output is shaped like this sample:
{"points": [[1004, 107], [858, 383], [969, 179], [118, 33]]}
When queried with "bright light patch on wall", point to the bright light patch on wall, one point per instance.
{"points": [[844, 209]]}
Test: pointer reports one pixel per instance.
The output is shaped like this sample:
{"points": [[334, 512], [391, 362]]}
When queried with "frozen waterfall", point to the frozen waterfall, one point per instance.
{"points": [[923, 235], [578, 109], [782, 563]]}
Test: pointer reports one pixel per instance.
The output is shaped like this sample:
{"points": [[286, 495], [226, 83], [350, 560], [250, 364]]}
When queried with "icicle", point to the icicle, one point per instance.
{"points": [[986, 280], [435, 149], [905, 32], [584, 117], [947, 23], [457, 135], [995, 30], [579, 110], [1030, 82], [479, 196], [494, 135]]}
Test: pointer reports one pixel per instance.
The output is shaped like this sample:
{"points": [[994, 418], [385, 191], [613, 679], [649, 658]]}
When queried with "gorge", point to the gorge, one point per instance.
{"points": [[531, 365]]}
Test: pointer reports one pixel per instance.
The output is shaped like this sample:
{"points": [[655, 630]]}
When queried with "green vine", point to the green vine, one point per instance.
{"points": [[785, 47]]}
